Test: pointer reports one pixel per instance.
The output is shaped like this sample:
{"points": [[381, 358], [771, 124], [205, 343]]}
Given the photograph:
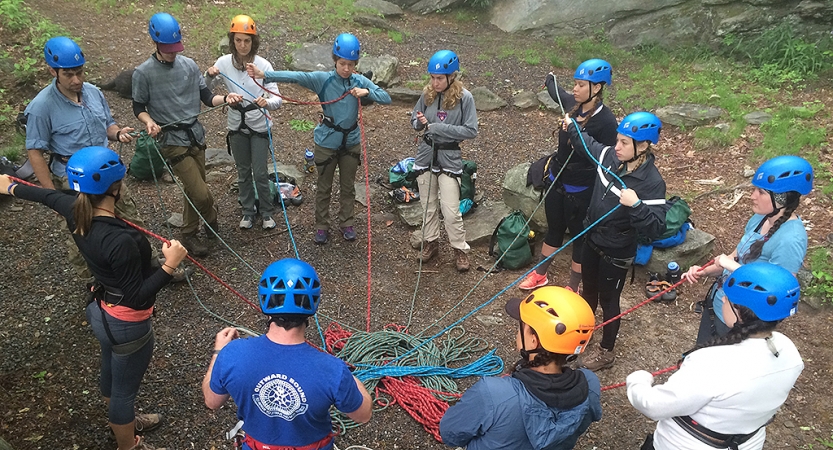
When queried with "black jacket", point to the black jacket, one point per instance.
{"points": [[619, 230]]}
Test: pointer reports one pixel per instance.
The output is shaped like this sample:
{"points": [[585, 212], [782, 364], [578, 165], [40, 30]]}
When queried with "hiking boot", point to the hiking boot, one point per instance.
{"points": [[429, 251], [533, 281], [598, 358], [212, 226], [195, 248], [321, 237], [462, 260], [247, 222], [269, 223], [349, 233], [147, 422], [142, 445]]}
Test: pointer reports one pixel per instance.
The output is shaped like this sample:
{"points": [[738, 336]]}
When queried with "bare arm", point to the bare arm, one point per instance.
{"points": [[362, 415], [212, 399], [41, 168]]}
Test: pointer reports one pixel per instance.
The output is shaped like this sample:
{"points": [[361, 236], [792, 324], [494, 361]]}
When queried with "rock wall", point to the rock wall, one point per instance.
{"points": [[630, 23]]}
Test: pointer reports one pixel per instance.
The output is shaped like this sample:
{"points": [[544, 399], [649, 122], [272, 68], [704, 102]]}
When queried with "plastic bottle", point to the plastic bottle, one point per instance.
{"points": [[674, 273], [309, 161]]}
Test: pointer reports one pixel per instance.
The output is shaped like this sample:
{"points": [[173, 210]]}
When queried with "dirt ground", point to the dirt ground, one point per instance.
{"points": [[49, 362]]}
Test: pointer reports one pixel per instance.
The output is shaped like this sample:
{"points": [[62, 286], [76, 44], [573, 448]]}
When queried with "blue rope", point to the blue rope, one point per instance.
{"points": [[487, 365], [592, 158]]}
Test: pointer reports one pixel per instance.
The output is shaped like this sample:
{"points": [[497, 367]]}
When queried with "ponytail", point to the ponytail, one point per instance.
{"points": [[82, 209], [756, 248], [747, 325]]}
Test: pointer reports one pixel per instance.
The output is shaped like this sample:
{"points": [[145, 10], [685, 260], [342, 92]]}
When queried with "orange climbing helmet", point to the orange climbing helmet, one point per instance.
{"points": [[243, 24], [562, 319]]}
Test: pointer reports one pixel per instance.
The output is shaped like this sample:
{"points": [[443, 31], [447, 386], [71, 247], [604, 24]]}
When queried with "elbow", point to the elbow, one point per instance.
{"points": [[363, 414]]}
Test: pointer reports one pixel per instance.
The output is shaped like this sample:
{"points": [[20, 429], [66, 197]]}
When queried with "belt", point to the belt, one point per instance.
{"points": [[713, 438], [622, 263], [254, 444], [443, 146]]}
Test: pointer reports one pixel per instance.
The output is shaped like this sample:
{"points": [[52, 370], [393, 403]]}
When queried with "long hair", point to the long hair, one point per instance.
{"points": [[747, 324], [755, 249], [82, 209], [451, 96], [638, 162], [595, 102], [236, 59]]}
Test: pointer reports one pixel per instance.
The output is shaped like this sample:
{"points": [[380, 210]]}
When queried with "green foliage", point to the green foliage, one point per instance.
{"points": [[532, 57], [14, 15], [822, 269], [780, 56], [301, 125], [789, 134], [483, 4], [29, 54], [13, 150], [488, 74], [396, 36]]}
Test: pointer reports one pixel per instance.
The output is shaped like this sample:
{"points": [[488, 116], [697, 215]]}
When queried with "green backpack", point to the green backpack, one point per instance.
{"points": [[515, 255], [146, 161], [467, 180]]}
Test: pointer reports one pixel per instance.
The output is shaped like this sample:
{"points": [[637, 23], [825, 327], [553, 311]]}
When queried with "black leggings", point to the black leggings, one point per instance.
{"points": [[566, 211], [121, 375], [603, 284]]}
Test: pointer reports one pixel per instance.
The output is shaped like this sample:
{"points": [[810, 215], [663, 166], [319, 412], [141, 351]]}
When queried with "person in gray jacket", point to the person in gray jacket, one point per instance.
{"points": [[543, 404], [445, 112]]}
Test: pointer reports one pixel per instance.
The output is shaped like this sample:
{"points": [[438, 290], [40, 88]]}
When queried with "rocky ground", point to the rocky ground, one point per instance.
{"points": [[49, 363]]}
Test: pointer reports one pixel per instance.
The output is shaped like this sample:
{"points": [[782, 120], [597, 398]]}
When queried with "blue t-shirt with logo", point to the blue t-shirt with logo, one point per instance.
{"points": [[786, 248], [284, 392]]}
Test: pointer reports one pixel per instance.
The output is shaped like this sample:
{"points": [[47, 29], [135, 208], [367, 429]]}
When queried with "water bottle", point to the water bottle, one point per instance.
{"points": [[309, 161], [674, 274]]}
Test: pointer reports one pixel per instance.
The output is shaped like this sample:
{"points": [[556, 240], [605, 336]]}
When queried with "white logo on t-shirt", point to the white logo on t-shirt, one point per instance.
{"points": [[280, 396]]}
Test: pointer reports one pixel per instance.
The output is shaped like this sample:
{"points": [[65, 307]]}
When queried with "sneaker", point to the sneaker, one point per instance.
{"points": [[598, 358], [321, 237], [462, 261], [349, 233], [429, 251], [147, 422], [533, 281], [194, 246], [247, 222], [142, 445], [269, 223]]}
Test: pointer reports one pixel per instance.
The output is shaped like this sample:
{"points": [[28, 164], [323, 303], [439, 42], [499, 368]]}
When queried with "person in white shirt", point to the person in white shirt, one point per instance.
{"points": [[728, 389], [248, 125]]}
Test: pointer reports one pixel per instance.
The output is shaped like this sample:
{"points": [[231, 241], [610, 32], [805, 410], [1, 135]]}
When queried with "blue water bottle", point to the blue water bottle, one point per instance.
{"points": [[309, 161], [674, 274]]}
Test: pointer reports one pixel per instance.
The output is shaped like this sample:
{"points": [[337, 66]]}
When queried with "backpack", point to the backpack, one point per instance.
{"points": [[677, 214], [520, 253], [467, 181], [677, 225], [399, 174], [146, 162], [538, 174]]}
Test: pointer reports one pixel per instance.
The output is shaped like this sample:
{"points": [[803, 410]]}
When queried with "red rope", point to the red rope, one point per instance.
{"points": [[418, 401], [367, 199], [154, 235], [649, 300], [658, 372], [299, 101]]}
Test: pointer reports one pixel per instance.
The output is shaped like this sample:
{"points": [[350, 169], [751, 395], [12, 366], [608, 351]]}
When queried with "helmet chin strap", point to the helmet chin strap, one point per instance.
{"points": [[589, 99], [636, 153]]}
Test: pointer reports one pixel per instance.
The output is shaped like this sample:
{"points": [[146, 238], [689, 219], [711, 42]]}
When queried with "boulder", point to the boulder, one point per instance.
{"points": [[426, 6], [361, 192], [525, 100], [548, 102], [517, 195], [688, 114], [696, 249], [312, 57], [404, 95], [481, 222], [374, 22], [289, 170], [381, 6], [410, 213], [486, 100], [757, 118], [383, 67], [217, 157], [805, 278]]}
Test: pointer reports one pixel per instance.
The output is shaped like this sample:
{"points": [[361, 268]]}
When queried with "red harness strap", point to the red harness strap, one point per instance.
{"points": [[257, 445]]}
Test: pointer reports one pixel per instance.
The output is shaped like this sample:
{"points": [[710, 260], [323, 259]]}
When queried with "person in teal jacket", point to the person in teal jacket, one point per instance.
{"points": [[337, 136], [543, 404]]}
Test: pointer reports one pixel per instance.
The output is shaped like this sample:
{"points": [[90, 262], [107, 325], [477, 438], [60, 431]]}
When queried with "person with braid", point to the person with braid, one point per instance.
{"points": [[566, 202], [774, 234], [728, 389], [543, 403]]}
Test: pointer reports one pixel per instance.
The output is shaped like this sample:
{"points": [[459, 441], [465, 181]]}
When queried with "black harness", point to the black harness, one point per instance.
{"points": [[244, 128], [713, 438], [99, 294], [327, 121], [188, 128]]}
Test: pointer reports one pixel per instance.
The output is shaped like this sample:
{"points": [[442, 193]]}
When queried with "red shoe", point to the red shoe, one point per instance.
{"points": [[533, 281]]}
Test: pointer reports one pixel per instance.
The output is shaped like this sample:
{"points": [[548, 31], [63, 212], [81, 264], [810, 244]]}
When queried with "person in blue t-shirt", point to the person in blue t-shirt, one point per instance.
{"points": [[284, 387], [544, 403], [774, 234]]}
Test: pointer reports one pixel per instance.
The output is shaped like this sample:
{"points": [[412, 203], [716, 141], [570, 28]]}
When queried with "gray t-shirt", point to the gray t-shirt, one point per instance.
{"points": [[172, 94]]}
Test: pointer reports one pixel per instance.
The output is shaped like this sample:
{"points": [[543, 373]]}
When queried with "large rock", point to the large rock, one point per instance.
{"points": [[381, 6], [548, 102], [311, 57], [374, 22], [426, 6], [217, 157], [289, 170], [383, 67], [404, 95], [481, 223], [410, 213], [688, 114], [525, 100], [486, 100], [696, 249], [517, 195], [757, 117]]}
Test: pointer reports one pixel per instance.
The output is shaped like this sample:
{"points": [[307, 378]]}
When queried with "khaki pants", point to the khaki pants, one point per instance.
{"points": [[347, 163], [125, 209], [448, 199], [191, 173]]}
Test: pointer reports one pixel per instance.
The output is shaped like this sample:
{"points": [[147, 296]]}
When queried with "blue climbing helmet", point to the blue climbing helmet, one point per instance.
{"points": [[770, 291], [63, 53], [164, 29], [640, 126], [289, 286], [594, 71], [92, 170], [784, 174], [347, 46], [444, 62]]}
